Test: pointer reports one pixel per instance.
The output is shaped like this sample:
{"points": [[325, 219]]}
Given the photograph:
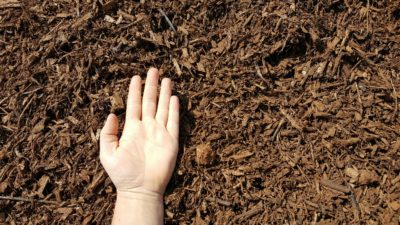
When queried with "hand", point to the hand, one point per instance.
{"points": [[143, 160]]}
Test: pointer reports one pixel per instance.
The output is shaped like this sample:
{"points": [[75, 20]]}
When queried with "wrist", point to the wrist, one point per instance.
{"points": [[140, 194], [138, 206]]}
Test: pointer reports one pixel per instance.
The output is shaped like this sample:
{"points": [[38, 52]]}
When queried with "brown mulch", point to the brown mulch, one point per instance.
{"points": [[290, 109]]}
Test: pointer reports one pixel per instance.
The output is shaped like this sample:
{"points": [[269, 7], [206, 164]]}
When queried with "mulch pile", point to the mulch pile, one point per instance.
{"points": [[290, 109]]}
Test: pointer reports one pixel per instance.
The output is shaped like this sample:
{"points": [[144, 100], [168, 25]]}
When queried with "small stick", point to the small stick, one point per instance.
{"points": [[27, 200], [354, 203], [167, 19], [260, 74], [4, 99], [278, 128], [334, 186], [23, 111]]}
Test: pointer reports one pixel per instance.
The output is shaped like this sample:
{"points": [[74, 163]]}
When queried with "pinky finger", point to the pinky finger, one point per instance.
{"points": [[173, 117]]}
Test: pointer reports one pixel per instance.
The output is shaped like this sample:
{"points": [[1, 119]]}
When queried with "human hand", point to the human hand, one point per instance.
{"points": [[143, 160]]}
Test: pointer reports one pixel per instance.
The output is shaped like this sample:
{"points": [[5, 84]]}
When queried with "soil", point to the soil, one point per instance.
{"points": [[290, 109]]}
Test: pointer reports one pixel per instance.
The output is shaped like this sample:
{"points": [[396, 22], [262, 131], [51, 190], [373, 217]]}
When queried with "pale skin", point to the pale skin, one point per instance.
{"points": [[141, 162]]}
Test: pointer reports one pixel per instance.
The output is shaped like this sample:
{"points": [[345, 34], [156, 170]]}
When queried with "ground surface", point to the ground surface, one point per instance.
{"points": [[290, 109]]}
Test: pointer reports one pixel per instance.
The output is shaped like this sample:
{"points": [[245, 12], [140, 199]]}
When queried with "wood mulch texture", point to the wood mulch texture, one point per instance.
{"points": [[290, 109]]}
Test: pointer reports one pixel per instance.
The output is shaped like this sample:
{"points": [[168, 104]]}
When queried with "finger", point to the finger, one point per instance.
{"points": [[173, 117], [109, 135], [163, 101], [150, 94], [134, 106]]}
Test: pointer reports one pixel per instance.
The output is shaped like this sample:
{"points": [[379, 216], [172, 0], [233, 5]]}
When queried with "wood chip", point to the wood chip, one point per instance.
{"points": [[177, 67], [10, 4], [334, 186]]}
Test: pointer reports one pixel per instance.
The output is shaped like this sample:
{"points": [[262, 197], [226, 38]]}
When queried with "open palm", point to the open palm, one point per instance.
{"points": [[144, 158]]}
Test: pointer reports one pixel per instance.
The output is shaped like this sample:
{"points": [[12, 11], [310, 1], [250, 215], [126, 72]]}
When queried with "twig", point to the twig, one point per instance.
{"points": [[278, 128], [334, 186], [260, 74], [28, 200], [354, 203], [4, 99], [167, 19], [23, 111]]}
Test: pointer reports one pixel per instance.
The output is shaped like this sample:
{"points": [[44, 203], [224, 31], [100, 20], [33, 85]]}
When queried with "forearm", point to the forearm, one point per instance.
{"points": [[138, 208]]}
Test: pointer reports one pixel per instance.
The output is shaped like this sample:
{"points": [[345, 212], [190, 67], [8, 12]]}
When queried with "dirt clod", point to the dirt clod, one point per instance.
{"points": [[205, 154]]}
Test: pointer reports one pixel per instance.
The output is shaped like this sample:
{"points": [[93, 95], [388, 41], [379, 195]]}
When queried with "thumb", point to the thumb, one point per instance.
{"points": [[109, 135]]}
